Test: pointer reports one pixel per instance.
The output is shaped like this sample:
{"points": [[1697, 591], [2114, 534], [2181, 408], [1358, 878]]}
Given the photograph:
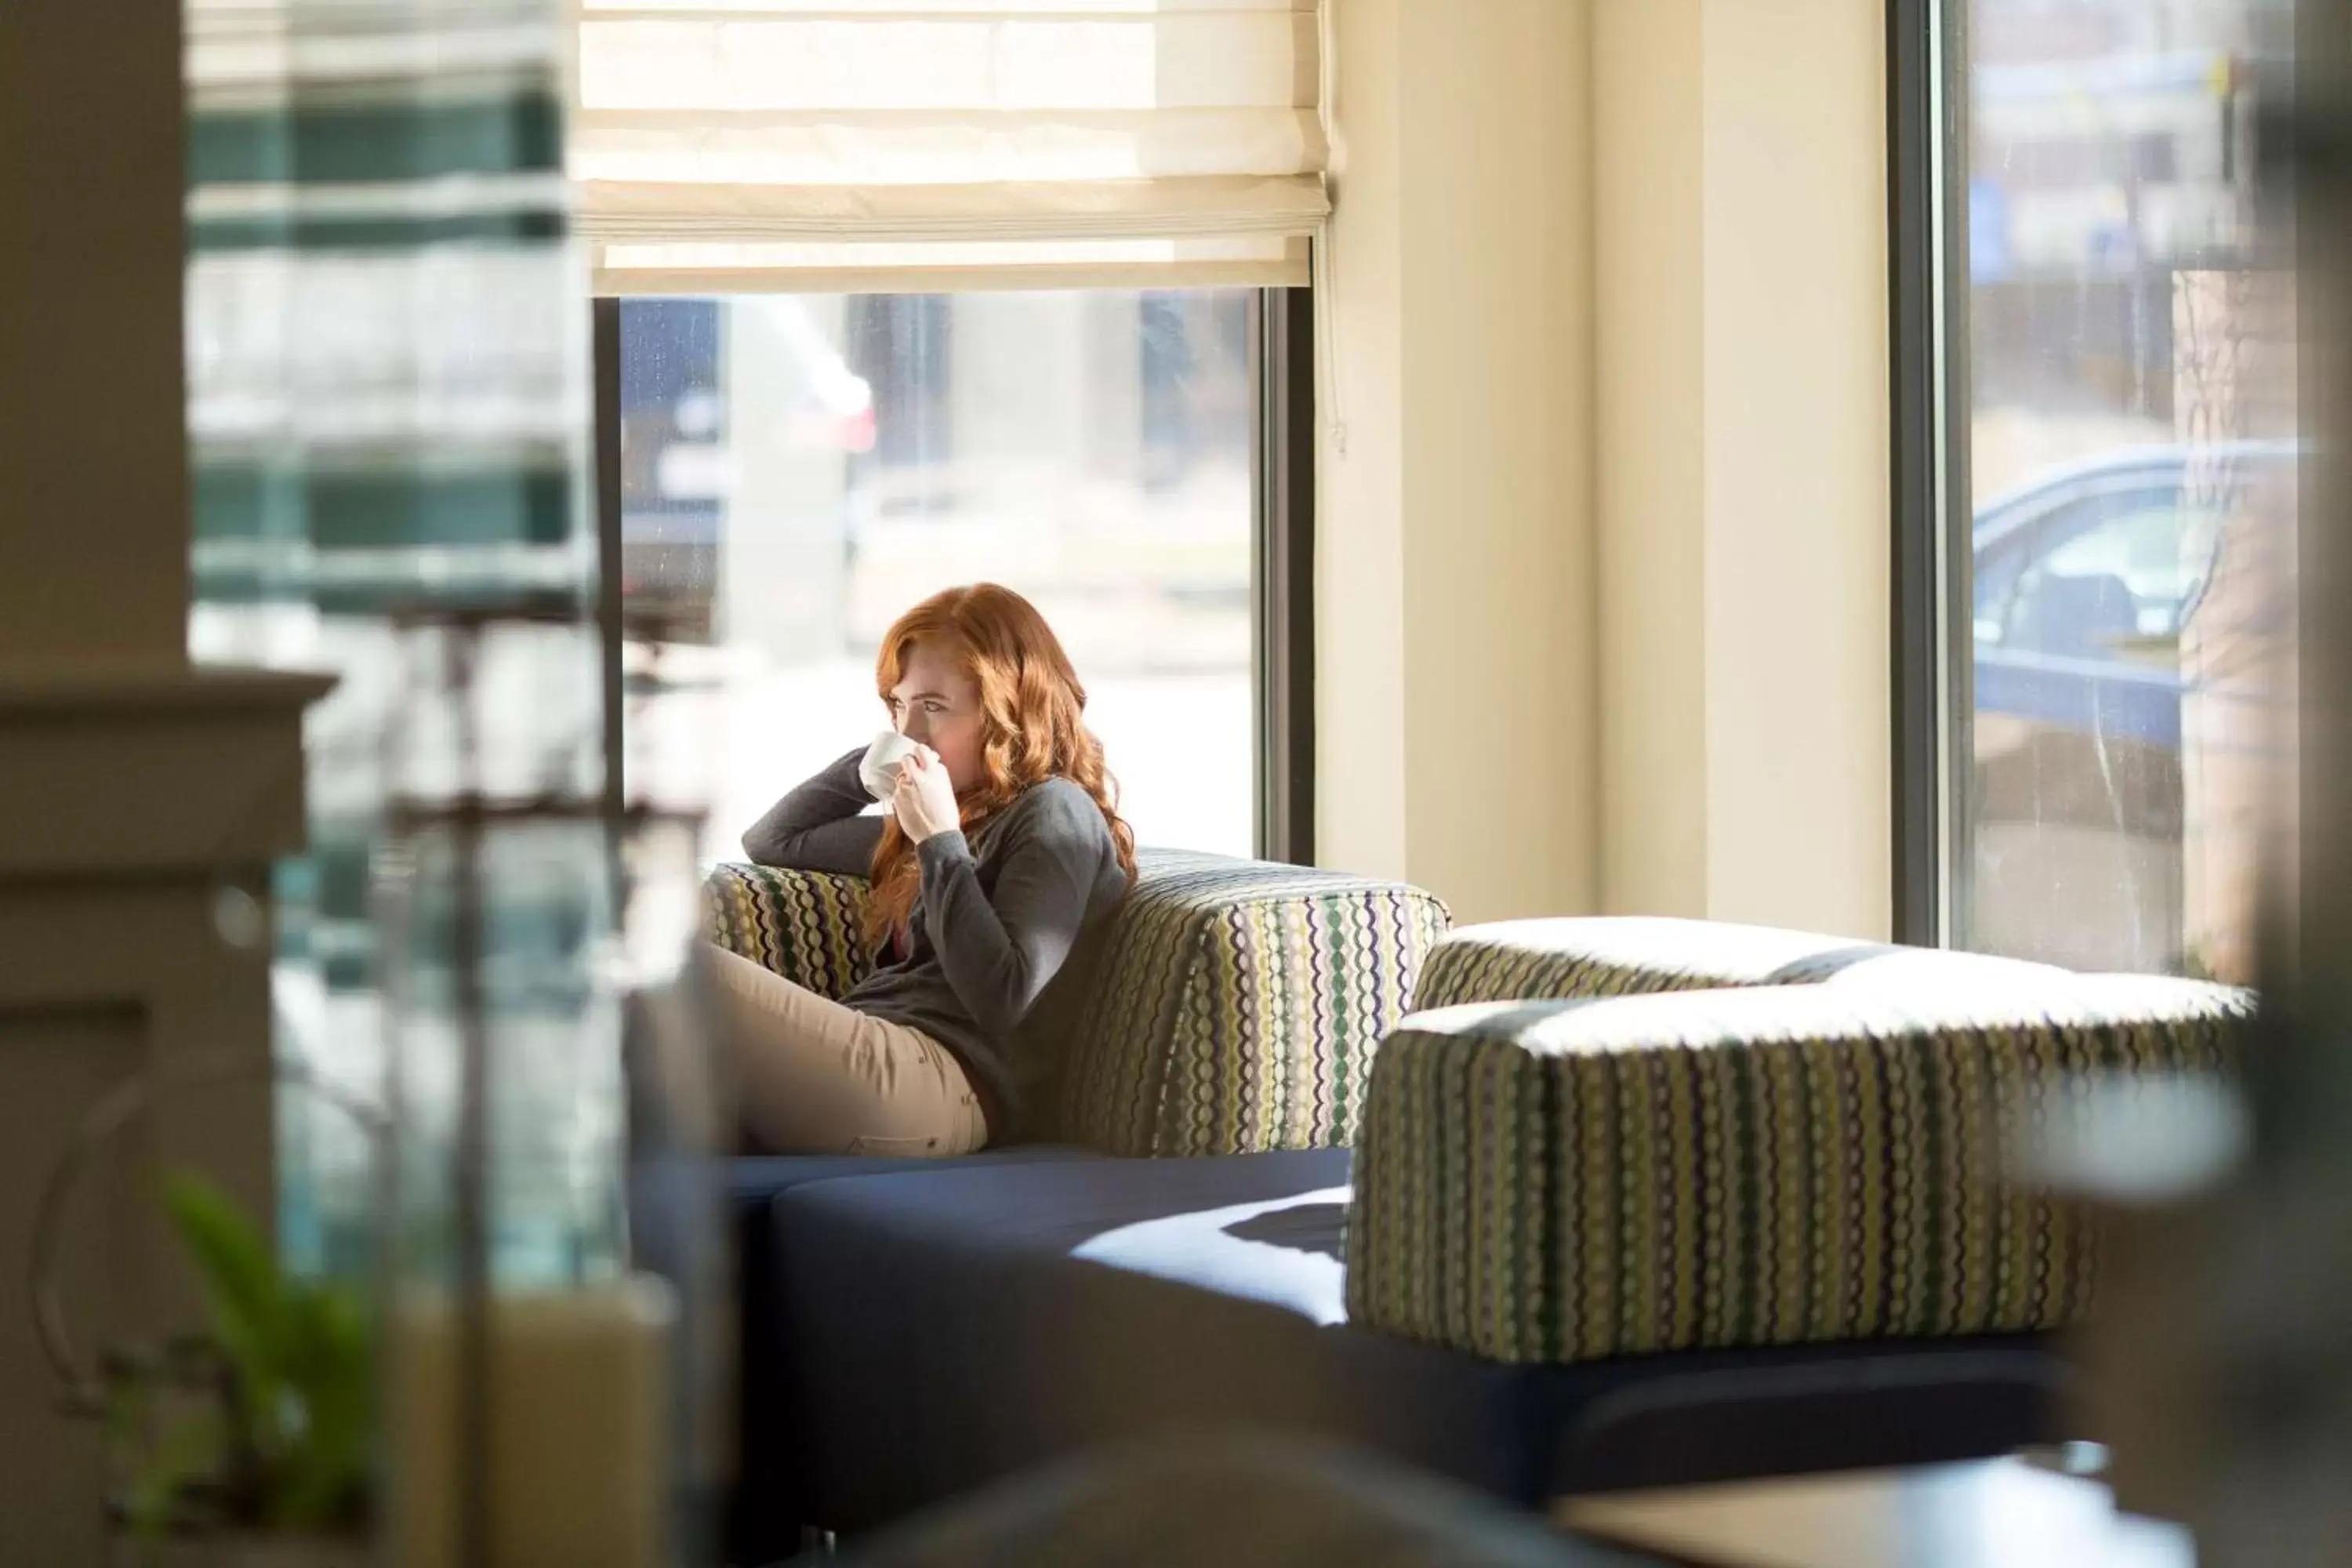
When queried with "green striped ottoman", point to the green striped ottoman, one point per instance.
{"points": [[1626, 955], [1562, 1182]]}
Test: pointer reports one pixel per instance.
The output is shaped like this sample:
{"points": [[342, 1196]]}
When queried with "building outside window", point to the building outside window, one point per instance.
{"points": [[2117, 463], [798, 469]]}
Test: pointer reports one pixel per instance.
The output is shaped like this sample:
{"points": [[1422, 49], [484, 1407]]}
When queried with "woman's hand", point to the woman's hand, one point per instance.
{"points": [[924, 802]]}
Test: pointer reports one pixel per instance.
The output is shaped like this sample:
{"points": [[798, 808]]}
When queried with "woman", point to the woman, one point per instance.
{"points": [[1000, 845]]}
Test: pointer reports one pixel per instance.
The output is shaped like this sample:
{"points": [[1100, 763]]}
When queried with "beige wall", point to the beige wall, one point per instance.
{"points": [[1360, 627], [1650, 396], [1454, 558], [1798, 764], [1610, 300]]}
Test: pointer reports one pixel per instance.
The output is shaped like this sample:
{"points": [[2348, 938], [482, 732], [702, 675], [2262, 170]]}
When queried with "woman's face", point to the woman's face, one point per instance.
{"points": [[937, 703]]}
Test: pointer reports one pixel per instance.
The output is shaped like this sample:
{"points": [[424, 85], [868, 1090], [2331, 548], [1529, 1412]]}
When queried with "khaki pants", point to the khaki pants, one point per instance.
{"points": [[818, 1078]]}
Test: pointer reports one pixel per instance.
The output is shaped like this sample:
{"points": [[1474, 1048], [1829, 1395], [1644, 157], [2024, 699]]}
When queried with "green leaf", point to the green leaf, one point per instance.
{"points": [[299, 1350], [333, 1381], [244, 1296], [191, 1448]]}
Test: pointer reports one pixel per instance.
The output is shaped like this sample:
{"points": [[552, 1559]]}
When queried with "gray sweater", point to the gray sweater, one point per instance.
{"points": [[994, 926]]}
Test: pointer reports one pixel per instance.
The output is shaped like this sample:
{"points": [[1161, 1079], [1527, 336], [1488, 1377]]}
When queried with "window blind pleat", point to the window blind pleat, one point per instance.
{"points": [[833, 147], [1242, 262], [782, 139], [1067, 209]]}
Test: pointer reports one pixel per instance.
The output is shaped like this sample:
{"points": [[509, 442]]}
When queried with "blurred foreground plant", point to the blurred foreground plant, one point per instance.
{"points": [[262, 1422]]}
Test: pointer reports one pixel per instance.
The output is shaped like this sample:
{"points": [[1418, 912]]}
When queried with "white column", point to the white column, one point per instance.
{"points": [[1744, 524], [1455, 595]]}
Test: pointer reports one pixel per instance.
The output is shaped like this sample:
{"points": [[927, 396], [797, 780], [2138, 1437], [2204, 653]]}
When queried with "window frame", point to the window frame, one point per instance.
{"points": [[1282, 456], [1932, 672], [1281, 530], [604, 437]]}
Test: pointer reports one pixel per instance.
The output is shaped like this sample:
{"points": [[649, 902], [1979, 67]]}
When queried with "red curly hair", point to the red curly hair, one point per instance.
{"points": [[1033, 727]]}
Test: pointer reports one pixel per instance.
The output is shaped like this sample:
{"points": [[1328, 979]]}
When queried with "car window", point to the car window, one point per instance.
{"points": [[2106, 574], [1996, 585]]}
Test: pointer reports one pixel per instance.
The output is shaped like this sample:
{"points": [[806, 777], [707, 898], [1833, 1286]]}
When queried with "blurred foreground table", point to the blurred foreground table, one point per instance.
{"points": [[2000, 1513]]}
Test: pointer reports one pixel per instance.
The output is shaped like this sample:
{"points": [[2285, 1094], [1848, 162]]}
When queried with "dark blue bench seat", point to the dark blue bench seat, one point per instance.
{"points": [[913, 1328]]}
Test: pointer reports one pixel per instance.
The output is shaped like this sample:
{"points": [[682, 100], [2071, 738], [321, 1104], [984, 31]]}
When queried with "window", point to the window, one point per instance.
{"points": [[2094, 477], [796, 470]]}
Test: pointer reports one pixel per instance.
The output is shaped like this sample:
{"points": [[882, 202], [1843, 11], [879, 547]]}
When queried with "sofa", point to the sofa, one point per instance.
{"points": [[1545, 1206]]}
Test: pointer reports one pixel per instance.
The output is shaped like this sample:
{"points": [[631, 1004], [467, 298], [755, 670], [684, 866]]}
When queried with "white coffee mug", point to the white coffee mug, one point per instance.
{"points": [[878, 770]]}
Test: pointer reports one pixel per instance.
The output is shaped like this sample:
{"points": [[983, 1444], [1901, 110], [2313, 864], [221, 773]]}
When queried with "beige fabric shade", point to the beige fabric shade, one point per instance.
{"points": [[920, 144]]}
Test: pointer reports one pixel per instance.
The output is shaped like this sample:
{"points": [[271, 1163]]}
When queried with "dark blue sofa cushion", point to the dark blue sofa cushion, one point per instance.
{"points": [[770, 1502], [928, 1330]]}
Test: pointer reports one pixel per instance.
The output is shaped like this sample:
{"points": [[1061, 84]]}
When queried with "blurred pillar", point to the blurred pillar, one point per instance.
{"points": [[140, 800], [2221, 1348], [93, 460]]}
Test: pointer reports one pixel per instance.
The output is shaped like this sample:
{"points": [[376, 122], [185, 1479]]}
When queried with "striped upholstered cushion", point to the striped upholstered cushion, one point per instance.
{"points": [[1559, 1182], [801, 924], [1238, 1005], [1235, 1006], [1621, 955]]}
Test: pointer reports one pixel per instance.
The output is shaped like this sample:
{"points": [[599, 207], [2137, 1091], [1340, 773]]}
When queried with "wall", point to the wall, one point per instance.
{"points": [[1650, 371], [1455, 594], [1359, 625], [1610, 300], [1799, 764]]}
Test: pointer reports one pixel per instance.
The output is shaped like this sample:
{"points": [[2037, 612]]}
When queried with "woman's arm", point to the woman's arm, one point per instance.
{"points": [[999, 954], [817, 827]]}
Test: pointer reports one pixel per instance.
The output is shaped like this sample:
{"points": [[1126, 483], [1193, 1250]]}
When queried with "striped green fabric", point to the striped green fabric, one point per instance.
{"points": [[1235, 1005], [1537, 960], [801, 924], [1568, 1181], [1238, 1005]]}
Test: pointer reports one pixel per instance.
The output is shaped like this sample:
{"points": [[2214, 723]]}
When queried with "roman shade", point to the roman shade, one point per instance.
{"points": [[724, 146]]}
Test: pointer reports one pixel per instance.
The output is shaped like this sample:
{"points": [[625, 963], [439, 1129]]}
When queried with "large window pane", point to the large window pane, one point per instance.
{"points": [[2124, 459], [797, 470]]}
